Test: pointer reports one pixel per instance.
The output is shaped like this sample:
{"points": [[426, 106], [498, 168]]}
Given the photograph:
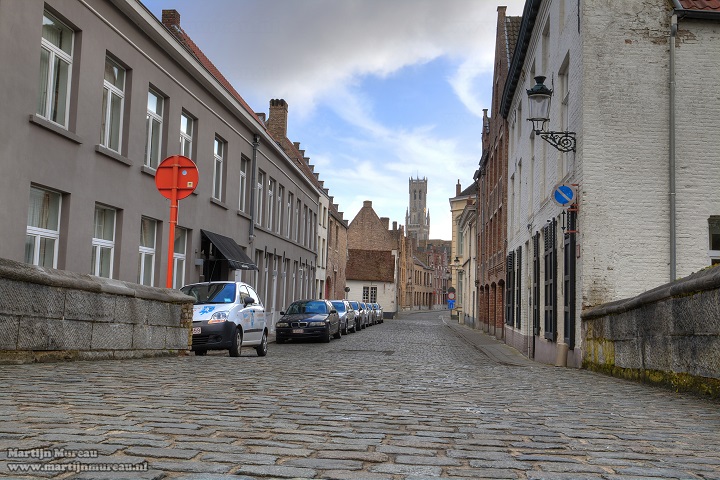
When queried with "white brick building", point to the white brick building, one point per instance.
{"points": [[610, 67]]}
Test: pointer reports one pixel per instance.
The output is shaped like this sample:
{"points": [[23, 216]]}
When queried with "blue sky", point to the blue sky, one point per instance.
{"points": [[379, 91]]}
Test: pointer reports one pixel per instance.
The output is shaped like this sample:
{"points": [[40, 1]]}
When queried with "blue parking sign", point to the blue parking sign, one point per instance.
{"points": [[451, 304]]}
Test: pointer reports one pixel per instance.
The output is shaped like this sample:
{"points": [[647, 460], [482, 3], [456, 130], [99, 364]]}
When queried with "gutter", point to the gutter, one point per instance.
{"points": [[253, 190], [672, 133]]}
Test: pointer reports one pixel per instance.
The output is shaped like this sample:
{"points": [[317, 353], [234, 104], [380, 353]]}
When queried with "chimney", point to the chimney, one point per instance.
{"points": [[385, 222], [367, 203], [486, 121], [277, 123], [394, 226], [171, 18], [458, 189]]}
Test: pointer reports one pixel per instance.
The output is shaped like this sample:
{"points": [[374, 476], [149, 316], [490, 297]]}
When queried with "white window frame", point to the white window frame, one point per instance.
{"points": [[288, 220], [278, 208], [39, 233], [99, 244], [260, 198], [219, 148], [154, 117], [145, 252], [242, 197], [186, 136], [110, 91], [55, 53], [271, 203], [179, 257], [297, 221]]}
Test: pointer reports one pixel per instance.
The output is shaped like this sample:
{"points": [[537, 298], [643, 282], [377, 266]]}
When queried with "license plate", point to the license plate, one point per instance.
{"points": [[196, 331], [298, 330]]}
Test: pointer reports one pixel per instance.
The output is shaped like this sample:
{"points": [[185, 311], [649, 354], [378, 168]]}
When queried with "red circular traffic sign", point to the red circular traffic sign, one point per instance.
{"points": [[176, 173], [451, 296]]}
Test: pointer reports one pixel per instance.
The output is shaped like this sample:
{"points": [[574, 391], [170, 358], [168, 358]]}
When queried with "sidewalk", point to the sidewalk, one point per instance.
{"points": [[494, 349]]}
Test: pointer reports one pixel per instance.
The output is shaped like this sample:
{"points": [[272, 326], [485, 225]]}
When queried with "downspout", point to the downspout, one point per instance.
{"points": [[253, 193], [673, 242]]}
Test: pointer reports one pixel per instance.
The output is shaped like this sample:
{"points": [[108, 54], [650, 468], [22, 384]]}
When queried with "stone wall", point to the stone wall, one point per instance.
{"points": [[669, 335], [49, 315]]}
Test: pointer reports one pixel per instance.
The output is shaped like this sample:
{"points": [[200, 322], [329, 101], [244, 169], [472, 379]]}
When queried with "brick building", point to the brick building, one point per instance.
{"points": [[337, 254], [374, 259], [625, 78], [491, 180]]}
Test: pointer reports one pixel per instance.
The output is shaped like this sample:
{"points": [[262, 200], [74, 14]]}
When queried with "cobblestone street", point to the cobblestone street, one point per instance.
{"points": [[411, 398]]}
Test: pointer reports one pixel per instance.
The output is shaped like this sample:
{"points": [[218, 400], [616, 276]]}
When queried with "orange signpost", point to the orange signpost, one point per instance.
{"points": [[176, 178]]}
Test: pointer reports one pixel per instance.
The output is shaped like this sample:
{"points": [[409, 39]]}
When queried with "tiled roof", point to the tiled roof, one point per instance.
{"points": [[709, 5], [371, 265], [186, 41], [512, 31], [471, 190]]}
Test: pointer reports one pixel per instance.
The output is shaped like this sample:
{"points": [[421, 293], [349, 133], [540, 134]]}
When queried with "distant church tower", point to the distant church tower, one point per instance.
{"points": [[417, 217]]}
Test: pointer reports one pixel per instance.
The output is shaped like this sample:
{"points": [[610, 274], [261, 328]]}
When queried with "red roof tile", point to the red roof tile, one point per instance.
{"points": [[712, 5]]}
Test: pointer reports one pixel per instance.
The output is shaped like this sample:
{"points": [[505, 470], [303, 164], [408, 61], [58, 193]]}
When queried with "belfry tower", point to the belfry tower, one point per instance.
{"points": [[417, 217]]}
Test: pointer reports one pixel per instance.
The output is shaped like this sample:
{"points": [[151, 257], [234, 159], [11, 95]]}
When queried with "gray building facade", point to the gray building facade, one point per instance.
{"points": [[95, 95]]}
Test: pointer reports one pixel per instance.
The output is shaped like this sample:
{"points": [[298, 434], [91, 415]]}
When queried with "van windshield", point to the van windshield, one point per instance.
{"points": [[211, 292]]}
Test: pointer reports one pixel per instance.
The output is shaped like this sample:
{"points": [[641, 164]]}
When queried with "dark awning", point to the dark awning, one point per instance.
{"points": [[237, 259]]}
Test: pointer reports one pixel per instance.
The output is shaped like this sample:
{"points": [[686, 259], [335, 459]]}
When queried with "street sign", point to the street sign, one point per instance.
{"points": [[451, 296], [451, 304], [175, 178], [564, 195]]}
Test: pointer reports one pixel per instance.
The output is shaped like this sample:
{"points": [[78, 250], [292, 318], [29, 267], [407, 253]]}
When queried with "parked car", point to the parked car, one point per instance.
{"points": [[308, 319], [372, 315], [227, 315], [379, 311], [346, 314], [360, 316], [367, 312]]}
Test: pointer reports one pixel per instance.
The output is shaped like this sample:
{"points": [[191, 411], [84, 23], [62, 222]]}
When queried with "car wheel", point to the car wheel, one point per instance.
{"points": [[345, 329], [338, 334], [262, 349], [200, 353], [236, 344], [326, 337]]}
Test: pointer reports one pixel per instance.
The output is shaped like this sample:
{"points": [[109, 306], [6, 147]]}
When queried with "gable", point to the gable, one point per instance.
{"points": [[370, 265]]}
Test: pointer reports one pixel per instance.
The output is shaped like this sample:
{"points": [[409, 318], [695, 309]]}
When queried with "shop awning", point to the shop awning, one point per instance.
{"points": [[236, 257]]}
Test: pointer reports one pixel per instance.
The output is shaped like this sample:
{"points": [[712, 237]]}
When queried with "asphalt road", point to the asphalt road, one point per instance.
{"points": [[412, 398]]}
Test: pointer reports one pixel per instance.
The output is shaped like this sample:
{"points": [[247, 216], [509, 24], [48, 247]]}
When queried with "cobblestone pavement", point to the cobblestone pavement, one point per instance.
{"points": [[412, 398]]}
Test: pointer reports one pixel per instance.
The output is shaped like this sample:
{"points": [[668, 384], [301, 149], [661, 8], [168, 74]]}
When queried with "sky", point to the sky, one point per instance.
{"points": [[378, 91]]}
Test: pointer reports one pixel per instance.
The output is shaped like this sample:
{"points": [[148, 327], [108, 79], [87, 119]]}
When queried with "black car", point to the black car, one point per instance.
{"points": [[308, 319]]}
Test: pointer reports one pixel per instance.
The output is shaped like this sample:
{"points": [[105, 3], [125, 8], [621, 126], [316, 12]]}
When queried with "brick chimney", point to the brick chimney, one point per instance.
{"points": [[458, 189], [367, 203], [170, 18], [394, 226], [277, 123], [385, 222]]}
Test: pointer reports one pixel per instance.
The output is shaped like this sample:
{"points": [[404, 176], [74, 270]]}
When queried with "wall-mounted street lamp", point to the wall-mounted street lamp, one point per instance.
{"points": [[539, 102]]}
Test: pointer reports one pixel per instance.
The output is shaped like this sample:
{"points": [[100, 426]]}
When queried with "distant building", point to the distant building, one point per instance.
{"points": [[417, 216]]}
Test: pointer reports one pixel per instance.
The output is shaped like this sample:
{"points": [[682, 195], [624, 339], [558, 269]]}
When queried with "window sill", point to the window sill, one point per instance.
{"points": [[148, 170], [114, 155], [219, 203], [41, 122]]}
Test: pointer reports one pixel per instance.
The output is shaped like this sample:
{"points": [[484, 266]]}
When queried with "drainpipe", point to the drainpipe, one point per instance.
{"points": [[673, 243], [253, 193]]}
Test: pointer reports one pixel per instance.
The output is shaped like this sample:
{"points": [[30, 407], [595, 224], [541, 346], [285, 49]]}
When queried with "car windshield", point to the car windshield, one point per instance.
{"points": [[339, 306], [311, 306], [355, 305], [211, 292]]}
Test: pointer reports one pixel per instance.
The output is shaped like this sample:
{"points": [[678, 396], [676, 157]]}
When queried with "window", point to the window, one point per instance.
{"points": [[714, 230], [518, 291], [55, 70], [153, 127], [271, 204], [297, 221], [43, 228], [219, 154], [510, 289], [112, 107], [278, 208], [146, 261], [260, 198], [244, 167], [179, 255], [103, 242], [186, 135], [550, 259], [288, 216], [369, 295]]}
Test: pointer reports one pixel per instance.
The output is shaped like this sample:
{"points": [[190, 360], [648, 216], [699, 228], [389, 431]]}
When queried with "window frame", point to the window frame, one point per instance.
{"points": [[148, 161], [54, 53], [40, 233], [243, 186], [146, 251], [218, 166], [108, 91], [187, 137], [179, 256], [99, 243]]}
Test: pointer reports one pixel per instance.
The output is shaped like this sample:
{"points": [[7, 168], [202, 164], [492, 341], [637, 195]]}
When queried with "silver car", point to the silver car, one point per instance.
{"points": [[360, 315], [379, 311], [347, 315]]}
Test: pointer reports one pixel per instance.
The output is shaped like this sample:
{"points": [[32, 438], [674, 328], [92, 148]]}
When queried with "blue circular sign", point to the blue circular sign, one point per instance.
{"points": [[564, 195]]}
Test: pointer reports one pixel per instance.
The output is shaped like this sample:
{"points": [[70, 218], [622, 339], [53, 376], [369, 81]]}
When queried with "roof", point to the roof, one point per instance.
{"points": [[512, 31], [371, 265], [713, 5]]}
